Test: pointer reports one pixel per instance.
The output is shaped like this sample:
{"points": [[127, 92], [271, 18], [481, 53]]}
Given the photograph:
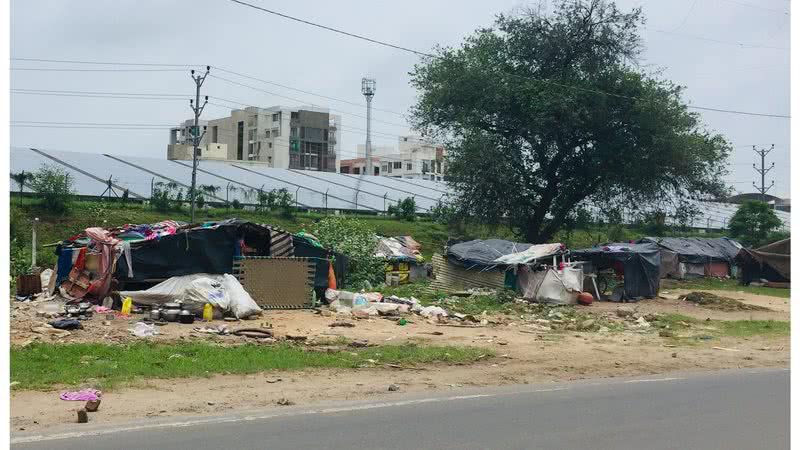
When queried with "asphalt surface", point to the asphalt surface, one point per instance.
{"points": [[740, 409]]}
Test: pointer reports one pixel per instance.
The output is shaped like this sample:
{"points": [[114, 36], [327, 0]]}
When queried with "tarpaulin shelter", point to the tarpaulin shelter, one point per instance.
{"points": [[771, 262], [483, 254], [403, 258], [695, 256], [640, 264]]}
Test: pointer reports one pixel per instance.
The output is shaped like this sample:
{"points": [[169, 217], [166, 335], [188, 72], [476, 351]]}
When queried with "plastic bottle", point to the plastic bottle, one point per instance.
{"points": [[208, 312], [127, 304]]}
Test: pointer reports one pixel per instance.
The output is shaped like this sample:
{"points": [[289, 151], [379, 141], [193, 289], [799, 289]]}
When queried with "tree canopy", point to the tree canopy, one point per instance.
{"points": [[753, 222], [546, 111]]}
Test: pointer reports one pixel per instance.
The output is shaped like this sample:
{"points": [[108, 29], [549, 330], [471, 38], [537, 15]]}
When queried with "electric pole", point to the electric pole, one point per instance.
{"points": [[196, 136], [368, 89], [763, 171]]}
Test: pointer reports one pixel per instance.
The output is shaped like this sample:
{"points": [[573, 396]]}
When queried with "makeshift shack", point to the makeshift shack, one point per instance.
{"points": [[542, 274], [771, 263], [695, 257], [472, 264], [404, 262], [636, 265]]}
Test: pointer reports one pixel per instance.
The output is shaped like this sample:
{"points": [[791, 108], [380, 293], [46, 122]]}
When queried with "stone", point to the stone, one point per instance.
{"points": [[211, 403], [83, 417], [393, 387], [642, 323], [93, 405], [285, 402], [674, 355], [624, 311], [603, 330], [587, 324]]}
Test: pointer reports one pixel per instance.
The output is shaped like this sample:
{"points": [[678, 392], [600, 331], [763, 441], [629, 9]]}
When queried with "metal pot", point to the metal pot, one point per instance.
{"points": [[170, 315], [84, 306], [155, 315], [186, 317], [172, 305]]}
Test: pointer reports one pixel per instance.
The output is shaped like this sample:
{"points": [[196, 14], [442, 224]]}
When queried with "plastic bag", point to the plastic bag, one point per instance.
{"points": [[142, 329], [241, 303], [432, 311]]}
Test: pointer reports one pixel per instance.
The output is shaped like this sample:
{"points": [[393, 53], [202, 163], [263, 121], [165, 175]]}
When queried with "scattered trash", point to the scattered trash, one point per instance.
{"points": [[402, 322], [725, 349], [257, 333], [666, 333], [66, 324], [210, 403], [342, 324], [274, 380], [359, 343], [82, 395], [393, 387], [433, 311], [142, 329], [674, 355], [285, 402]]}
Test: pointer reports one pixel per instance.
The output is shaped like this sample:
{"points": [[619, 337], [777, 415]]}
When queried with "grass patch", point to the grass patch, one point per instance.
{"points": [[715, 284], [43, 366], [746, 328], [712, 301], [419, 290]]}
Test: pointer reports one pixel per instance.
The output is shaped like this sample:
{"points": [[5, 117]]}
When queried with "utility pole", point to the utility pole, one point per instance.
{"points": [[763, 171], [368, 89], [196, 136]]}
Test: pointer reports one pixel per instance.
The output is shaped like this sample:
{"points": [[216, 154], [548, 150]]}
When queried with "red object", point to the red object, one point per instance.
{"points": [[585, 298]]}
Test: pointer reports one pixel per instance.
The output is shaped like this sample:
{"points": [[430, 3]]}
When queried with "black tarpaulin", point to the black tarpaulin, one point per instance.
{"points": [[482, 253], [194, 250], [641, 263], [698, 250], [771, 262], [305, 248]]}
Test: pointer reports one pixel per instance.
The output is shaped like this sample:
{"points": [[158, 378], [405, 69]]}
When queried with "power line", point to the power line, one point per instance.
{"points": [[513, 75], [719, 41], [51, 69], [104, 63], [750, 5], [374, 41]]}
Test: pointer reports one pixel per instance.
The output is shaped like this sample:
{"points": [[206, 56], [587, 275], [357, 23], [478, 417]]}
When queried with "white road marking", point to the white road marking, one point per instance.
{"points": [[221, 420], [650, 380]]}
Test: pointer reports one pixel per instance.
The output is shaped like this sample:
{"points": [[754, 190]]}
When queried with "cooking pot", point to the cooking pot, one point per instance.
{"points": [[170, 315], [172, 305], [155, 315], [186, 317], [84, 306]]}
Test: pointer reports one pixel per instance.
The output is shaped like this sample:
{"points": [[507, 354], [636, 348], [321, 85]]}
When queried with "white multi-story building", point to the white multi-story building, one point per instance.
{"points": [[289, 138], [415, 158]]}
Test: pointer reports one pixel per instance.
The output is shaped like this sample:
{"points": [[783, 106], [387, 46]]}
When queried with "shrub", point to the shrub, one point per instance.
{"points": [[357, 241], [54, 186], [236, 204], [405, 209]]}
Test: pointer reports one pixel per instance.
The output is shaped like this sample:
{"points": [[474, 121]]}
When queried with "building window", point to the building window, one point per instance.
{"points": [[408, 166], [356, 170], [425, 167], [251, 135], [215, 134], [295, 115], [294, 131], [276, 117], [398, 165], [269, 144], [276, 132], [266, 134], [240, 140], [251, 121], [383, 168]]}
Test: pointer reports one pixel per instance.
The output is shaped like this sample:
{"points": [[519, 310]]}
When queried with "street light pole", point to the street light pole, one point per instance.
{"points": [[196, 137]]}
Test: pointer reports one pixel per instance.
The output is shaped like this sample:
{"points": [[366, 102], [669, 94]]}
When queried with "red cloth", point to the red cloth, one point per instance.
{"points": [[80, 262]]}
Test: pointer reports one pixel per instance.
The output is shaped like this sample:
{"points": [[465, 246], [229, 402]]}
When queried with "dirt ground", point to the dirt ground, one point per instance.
{"points": [[522, 355]]}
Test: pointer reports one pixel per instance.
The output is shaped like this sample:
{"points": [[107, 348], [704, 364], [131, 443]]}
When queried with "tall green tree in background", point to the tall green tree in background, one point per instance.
{"points": [[753, 222], [545, 110]]}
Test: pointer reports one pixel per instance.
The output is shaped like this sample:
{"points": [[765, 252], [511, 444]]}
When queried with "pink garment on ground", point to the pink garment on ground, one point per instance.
{"points": [[102, 309], [82, 395]]}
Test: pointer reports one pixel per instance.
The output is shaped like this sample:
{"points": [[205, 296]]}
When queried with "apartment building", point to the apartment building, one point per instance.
{"points": [[415, 158], [289, 138]]}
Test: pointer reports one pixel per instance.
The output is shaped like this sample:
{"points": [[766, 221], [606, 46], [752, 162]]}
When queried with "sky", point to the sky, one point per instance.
{"points": [[729, 54]]}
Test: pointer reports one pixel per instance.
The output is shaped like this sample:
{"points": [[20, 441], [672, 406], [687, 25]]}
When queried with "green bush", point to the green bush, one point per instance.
{"points": [[54, 185], [405, 209], [357, 240]]}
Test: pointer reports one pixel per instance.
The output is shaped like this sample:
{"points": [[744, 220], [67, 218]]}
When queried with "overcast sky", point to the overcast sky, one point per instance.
{"points": [[752, 78]]}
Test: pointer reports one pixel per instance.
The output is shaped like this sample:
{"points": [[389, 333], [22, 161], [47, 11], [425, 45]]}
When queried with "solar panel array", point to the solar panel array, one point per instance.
{"points": [[242, 180]]}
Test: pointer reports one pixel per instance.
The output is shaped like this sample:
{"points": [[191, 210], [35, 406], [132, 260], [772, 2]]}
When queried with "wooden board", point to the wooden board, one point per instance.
{"points": [[277, 283]]}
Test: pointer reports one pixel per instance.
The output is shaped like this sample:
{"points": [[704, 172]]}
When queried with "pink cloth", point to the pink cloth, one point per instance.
{"points": [[83, 395], [107, 244]]}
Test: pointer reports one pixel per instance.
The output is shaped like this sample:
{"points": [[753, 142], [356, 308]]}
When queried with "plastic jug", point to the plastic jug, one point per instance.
{"points": [[127, 304], [208, 312]]}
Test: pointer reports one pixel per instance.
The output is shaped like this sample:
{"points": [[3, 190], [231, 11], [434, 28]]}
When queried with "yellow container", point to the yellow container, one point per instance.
{"points": [[208, 312], [127, 304]]}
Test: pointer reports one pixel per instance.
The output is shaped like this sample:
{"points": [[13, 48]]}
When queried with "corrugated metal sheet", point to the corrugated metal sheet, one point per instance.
{"points": [[452, 278]]}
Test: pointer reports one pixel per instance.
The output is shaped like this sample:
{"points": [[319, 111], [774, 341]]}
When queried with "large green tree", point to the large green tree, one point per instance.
{"points": [[546, 111], [753, 222]]}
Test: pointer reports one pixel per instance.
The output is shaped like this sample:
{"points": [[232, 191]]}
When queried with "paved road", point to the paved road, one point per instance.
{"points": [[742, 409]]}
